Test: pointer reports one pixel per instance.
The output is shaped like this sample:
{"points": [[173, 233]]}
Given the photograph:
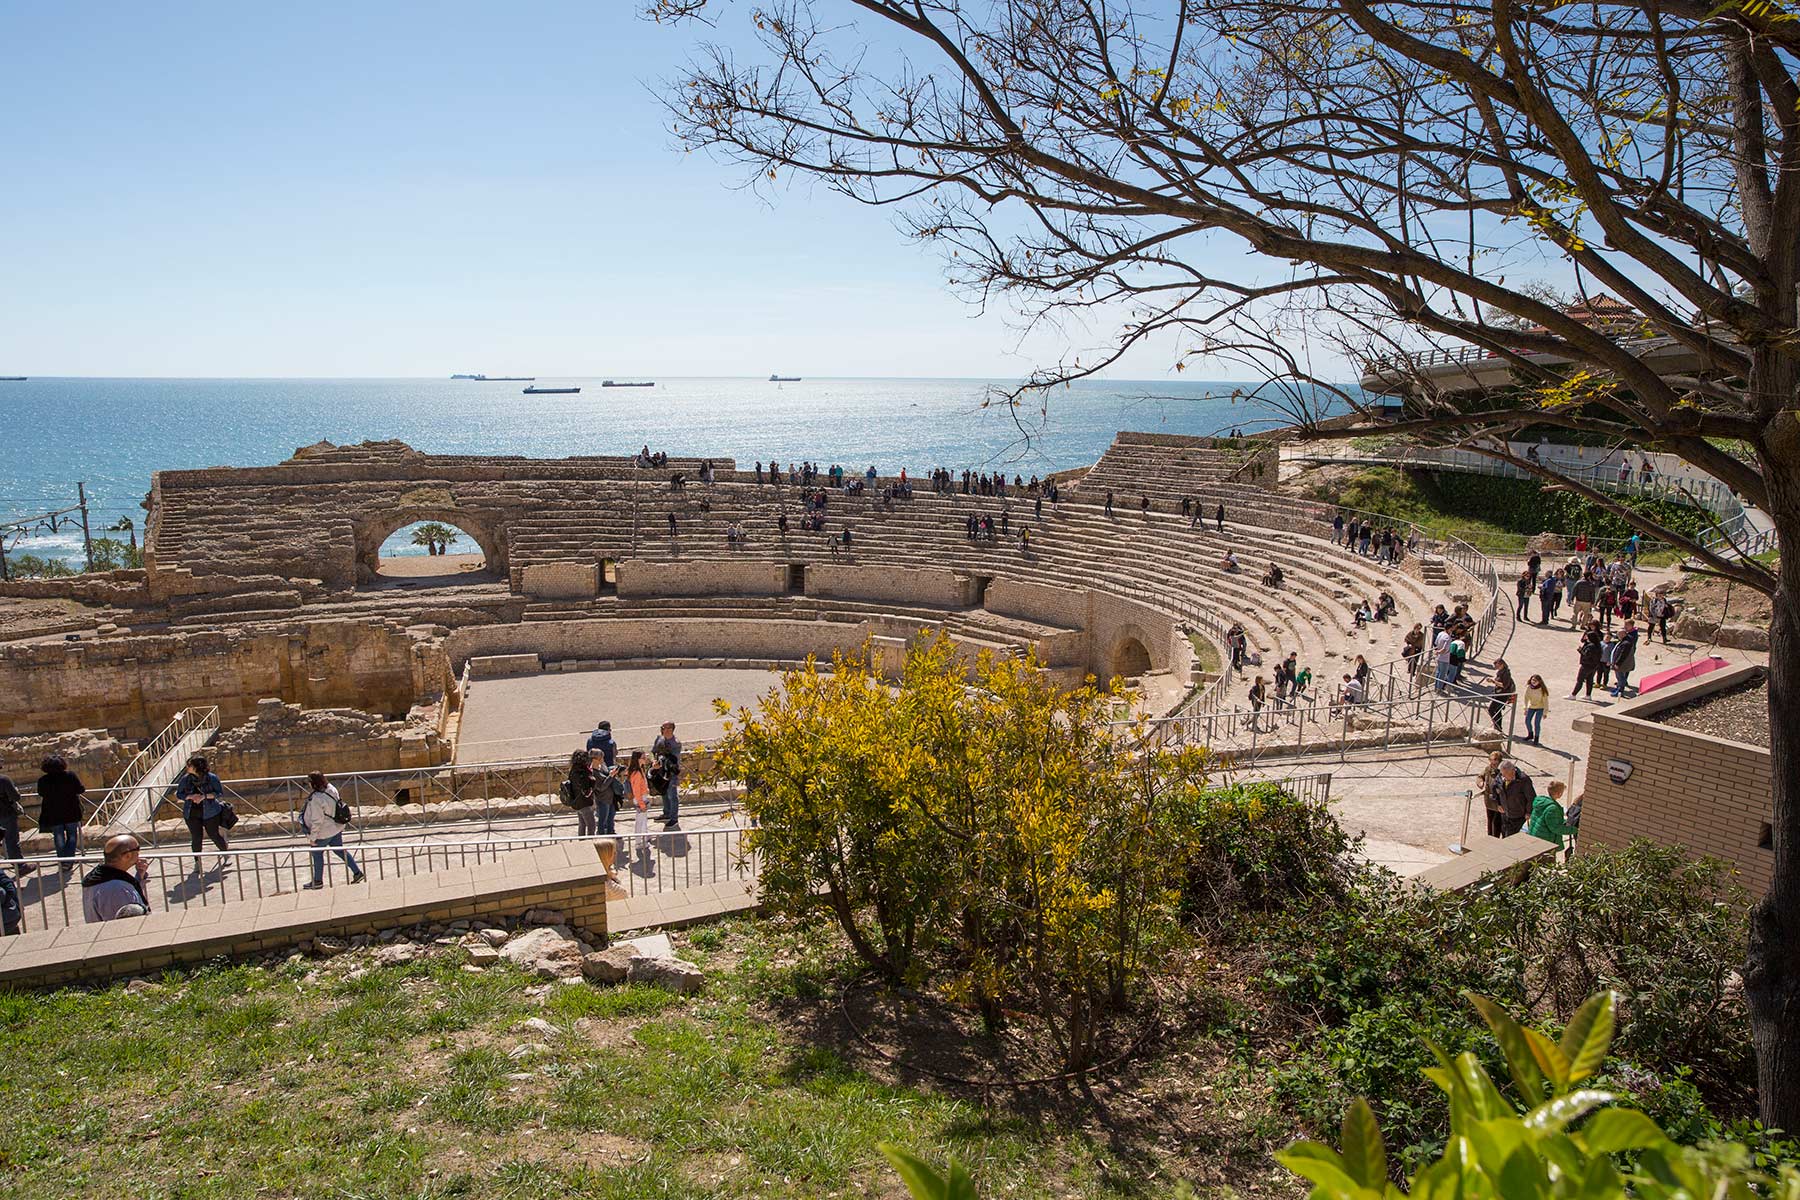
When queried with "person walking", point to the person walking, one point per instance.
{"points": [[1441, 657], [666, 749], [1413, 649], [1488, 784], [1522, 611], [1585, 592], [325, 817], [202, 799], [1259, 695], [1537, 703], [577, 792], [1660, 610], [59, 809], [1516, 797], [1503, 694], [1219, 516], [1624, 657]]}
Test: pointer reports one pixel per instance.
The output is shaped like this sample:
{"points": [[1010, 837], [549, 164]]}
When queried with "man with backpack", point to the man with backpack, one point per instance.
{"points": [[601, 742], [665, 776]]}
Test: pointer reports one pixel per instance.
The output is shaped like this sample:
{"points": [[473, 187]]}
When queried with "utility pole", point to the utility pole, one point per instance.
{"points": [[87, 540]]}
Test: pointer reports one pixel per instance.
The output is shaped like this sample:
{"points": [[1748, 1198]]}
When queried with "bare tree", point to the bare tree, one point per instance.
{"points": [[1405, 176]]}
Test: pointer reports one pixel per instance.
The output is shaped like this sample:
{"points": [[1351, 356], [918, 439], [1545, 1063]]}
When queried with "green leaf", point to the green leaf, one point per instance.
{"points": [[1322, 1165], [1364, 1158], [1523, 1177], [1513, 1047], [1485, 1100], [1600, 1181], [1556, 1113], [923, 1181], [1588, 1036], [1614, 1129], [1549, 1058]]}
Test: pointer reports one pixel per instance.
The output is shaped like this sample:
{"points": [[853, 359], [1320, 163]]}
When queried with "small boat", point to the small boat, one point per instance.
{"points": [[614, 383], [538, 391], [784, 379], [496, 378], [13, 378]]}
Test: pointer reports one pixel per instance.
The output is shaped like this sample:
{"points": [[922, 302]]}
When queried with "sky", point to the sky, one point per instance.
{"points": [[415, 189]]}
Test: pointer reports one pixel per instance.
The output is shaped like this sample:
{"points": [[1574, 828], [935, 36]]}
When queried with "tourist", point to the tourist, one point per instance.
{"points": [[1235, 642], [1605, 604], [12, 807], [1537, 703], [1488, 784], [1109, 502], [1230, 563], [672, 527], [1523, 589], [1219, 516], [1459, 657], [1589, 660], [1259, 694], [1547, 596], [325, 817], [1361, 673], [1632, 545], [59, 793], [1413, 648], [601, 742], [1628, 601], [1584, 594], [1024, 541], [1533, 566], [1285, 672], [1363, 537], [1609, 644], [115, 888], [637, 794], [1547, 819], [1503, 693], [759, 478], [202, 799], [666, 775], [1516, 797], [781, 522], [1440, 653], [1302, 683], [1144, 504], [1661, 609], [1624, 658], [1272, 577], [12, 911], [577, 792], [1337, 529], [1352, 692]]}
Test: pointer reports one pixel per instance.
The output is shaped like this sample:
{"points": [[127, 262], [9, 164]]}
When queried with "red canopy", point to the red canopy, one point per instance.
{"points": [[1686, 671]]}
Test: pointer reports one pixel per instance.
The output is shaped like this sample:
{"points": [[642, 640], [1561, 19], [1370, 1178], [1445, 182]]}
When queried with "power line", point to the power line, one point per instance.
{"points": [[22, 528]]}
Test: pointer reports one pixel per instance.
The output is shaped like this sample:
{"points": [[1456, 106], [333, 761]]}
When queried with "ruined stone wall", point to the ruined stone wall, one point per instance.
{"points": [[134, 685], [93, 754], [560, 580], [648, 638], [97, 587], [286, 739]]}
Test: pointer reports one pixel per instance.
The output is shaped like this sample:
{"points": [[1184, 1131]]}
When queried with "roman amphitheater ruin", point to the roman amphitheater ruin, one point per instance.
{"points": [[263, 596]]}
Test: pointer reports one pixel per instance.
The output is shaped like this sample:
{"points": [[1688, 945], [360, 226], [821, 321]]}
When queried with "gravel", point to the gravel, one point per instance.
{"points": [[1740, 714]]}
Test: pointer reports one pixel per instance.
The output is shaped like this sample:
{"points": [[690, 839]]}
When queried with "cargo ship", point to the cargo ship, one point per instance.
{"points": [[497, 378], [538, 391], [615, 383], [784, 379]]}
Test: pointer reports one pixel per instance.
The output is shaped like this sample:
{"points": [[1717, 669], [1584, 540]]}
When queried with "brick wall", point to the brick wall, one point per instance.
{"points": [[1707, 795]]}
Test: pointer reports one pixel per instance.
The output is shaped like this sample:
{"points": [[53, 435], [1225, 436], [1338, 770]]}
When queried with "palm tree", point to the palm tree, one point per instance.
{"points": [[435, 537], [125, 526]]}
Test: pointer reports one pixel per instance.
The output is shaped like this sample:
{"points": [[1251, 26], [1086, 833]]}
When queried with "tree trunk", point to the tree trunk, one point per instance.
{"points": [[1772, 973]]}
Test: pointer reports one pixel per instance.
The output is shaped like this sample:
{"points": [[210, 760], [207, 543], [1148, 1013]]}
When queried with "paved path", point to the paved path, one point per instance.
{"points": [[1410, 805]]}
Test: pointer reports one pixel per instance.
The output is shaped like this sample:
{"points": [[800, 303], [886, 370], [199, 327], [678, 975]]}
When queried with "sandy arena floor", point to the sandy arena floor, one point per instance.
{"points": [[537, 716]]}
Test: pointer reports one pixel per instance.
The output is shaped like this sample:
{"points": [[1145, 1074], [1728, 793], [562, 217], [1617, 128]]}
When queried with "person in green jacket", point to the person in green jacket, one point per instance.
{"points": [[1547, 816]]}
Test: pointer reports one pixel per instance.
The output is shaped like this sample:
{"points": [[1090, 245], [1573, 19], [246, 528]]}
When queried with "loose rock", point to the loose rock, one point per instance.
{"points": [[547, 952], [610, 965], [673, 974]]}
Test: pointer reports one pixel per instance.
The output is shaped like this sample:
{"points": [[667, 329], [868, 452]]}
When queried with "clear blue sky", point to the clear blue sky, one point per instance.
{"points": [[414, 189]]}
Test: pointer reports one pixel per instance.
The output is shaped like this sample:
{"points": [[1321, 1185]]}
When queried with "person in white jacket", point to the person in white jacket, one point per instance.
{"points": [[319, 818]]}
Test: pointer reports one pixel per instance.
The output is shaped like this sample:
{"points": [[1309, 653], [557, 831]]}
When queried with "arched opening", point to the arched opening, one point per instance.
{"points": [[1130, 658], [421, 548]]}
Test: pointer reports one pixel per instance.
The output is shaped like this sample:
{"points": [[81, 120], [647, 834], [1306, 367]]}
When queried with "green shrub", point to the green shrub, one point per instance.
{"points": [[1251, 847]]}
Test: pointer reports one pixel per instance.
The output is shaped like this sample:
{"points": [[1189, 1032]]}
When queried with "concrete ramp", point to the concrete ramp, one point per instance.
{"points": [[152, 774]]}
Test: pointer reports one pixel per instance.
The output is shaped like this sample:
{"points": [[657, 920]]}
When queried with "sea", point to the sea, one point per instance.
{"points": [[110, 434]]}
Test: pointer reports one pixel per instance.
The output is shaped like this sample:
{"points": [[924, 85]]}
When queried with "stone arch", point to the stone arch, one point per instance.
{"points": [[1130, 656], [487, 531]]}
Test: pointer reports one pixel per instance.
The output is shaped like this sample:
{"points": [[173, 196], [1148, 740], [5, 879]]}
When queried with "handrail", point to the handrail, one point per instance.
{"points": [[184, 723]]}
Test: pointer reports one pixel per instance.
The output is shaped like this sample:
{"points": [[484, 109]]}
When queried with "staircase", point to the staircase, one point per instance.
{"points": [[148, 777]]}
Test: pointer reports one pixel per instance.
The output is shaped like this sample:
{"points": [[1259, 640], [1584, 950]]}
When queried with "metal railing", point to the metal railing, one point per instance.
{"points": [[1693, 488], [645, 864], [1427, 718], [116, 800]]}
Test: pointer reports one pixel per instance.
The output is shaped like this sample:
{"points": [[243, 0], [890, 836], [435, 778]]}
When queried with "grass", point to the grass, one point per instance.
{"points": [[1205, 653], [293, 1080]]}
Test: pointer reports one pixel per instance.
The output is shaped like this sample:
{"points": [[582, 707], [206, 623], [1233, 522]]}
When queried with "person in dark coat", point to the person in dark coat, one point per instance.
{"points": [[1516, 798], [59, 809], [1588, 664], [601, 742]]}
